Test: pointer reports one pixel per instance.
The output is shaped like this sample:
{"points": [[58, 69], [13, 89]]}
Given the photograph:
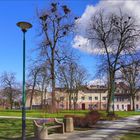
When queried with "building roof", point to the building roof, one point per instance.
{"points": [[98, 90]]}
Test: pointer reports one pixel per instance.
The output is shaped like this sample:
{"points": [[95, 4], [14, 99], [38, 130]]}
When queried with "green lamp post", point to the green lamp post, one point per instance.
{"points": [[24, 26]]}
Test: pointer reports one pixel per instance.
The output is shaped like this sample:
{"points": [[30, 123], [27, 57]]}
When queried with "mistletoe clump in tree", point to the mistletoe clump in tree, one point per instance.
{"points": [[56, 24]]}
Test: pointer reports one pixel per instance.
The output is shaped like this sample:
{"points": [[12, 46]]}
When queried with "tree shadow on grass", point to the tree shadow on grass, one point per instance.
{"points": [[18, 138], [5, 138], [10, 129]]}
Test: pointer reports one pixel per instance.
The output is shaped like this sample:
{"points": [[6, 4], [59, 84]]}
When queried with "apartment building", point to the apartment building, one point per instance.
{"points": [[123, 101], [91, 97], [95, 97]]}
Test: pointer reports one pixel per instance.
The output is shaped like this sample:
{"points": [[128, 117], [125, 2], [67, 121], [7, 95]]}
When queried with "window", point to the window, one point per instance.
{"points": [[96, 98], [117, 106], [137, 98], [75, 98], [137, 106], [122, 106], [123, 91], [104, 105], [61, 105], [83, 98], [90, 106], [121, 99], [129, 99], [61, 98], [103, 98], [90, 98], [95, 106]]}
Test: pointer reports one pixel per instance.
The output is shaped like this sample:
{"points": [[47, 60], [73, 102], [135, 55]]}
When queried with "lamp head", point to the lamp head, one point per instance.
{"points": [[24, 25]]}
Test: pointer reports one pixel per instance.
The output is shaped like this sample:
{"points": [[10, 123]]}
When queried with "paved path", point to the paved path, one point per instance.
{"points": [[107, 130]]}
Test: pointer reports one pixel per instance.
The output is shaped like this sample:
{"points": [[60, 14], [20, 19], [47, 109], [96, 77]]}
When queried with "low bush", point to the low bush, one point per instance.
{"points": [[90, 119]]}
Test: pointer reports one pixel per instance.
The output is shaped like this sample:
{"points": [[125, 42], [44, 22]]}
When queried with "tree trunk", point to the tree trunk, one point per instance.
{"points": [[45, 93], [53, 95], [42, 95], [75, 100], [70, 101], [111, 92], [11, 101], [42, 102], [31, 99], [133, 102], [109, 100], [11, 105], [32, 94], [53, 83], [3, 103], [75, 103]]}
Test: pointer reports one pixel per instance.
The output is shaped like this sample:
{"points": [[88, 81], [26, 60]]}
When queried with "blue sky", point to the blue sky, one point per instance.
{"points": [[13, 11]]}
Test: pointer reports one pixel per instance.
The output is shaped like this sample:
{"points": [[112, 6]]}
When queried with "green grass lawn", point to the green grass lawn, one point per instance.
{"points": [[10, 129], [127, 113], [132, 135], [41, 114], [60, 114]]}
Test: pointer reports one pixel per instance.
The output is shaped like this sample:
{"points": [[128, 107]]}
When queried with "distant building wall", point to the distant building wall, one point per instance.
{"points": [[94, 97]]}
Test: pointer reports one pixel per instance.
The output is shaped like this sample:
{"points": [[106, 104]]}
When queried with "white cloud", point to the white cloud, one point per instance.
{"points": [[83, 43], [102, 81], [129, 6]]}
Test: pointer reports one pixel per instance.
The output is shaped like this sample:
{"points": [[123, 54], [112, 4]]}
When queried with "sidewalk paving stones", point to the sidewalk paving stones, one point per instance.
{"points": [[105, 130]]}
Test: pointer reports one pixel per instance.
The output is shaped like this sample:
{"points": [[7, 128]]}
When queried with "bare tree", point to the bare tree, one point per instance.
{"points": [[9, 87], [116, 36], [72, 77], [44, 80], [32, 81], [131, 76], [56, 24], [80, 79]]}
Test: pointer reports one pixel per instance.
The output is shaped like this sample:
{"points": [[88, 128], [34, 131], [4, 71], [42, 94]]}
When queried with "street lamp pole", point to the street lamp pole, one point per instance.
{"points": [[23, 92], [24, 27]]}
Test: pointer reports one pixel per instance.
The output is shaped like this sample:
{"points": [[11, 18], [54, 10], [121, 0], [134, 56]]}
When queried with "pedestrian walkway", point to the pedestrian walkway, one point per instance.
{"points": [[104, 130]]}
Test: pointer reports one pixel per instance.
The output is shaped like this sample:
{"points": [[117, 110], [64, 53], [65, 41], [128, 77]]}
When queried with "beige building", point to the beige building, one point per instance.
{"points": [[122, 101], [95, 97], [91, 97]]}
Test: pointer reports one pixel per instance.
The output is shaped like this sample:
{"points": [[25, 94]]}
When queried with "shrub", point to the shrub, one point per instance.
{"points": [[90, 119]]}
